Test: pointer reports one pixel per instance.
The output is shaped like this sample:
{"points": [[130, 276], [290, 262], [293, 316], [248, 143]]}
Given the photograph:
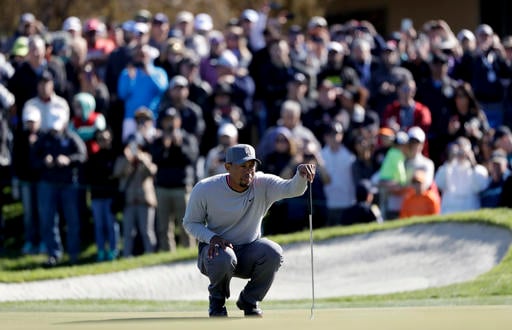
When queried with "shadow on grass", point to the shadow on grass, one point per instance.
{"points": [[156, 319]]}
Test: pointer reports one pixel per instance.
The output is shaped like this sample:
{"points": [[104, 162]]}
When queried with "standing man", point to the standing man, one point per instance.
{"points": [[225, 214]]}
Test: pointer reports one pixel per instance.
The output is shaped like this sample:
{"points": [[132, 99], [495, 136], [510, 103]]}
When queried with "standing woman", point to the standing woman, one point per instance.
{"points": [[467, 118]]}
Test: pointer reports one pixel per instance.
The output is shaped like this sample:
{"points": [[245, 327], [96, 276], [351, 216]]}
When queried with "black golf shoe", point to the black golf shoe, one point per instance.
{"points": [[217, 308], [248, 308]]}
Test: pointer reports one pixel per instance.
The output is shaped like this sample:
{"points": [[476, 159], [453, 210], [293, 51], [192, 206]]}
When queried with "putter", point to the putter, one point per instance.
{"points": [[311, 248]]}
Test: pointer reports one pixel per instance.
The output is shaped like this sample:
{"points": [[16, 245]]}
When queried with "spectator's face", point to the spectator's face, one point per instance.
{"points": [[406, 91], [281, 144], [36, 52], [45, 89], [290, 119]]}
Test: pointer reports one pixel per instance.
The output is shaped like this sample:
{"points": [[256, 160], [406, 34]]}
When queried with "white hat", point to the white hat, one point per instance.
{"points": [[227, 59], [141, 28], [128, 25], [72, 23], [31, 114], [228, 129], [335, 46], [317, 21], [178, 81], [203, 22], [416, 133], [184, 16], [251, 15], [465, 34]]}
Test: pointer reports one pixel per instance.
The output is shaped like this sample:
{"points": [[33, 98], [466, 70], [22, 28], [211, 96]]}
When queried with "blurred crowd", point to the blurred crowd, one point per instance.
{"points": [[123, 119]]}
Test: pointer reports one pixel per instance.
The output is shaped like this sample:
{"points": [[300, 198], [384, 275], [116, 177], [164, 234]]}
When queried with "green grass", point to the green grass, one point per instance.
{"points": [[491, 288]]}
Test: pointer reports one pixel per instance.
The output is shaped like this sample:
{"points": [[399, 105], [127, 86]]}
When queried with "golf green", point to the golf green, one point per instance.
{"points": [[417, 318]]}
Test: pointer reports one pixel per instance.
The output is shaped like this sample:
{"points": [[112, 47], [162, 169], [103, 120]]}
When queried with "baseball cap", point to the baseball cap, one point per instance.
{"points": [[250, 15], [335, 46], [416, 133], [484, 29], [178, 81], [203, 22], [160, 18], [72, 23], [46, 75], [241, 153], [143, 16], [20, 46], [317, 21], [465, 34], [184, 16], [227, 59], [227, 129], [299, 78], [500, 132], [143, 113], [27, 18]]}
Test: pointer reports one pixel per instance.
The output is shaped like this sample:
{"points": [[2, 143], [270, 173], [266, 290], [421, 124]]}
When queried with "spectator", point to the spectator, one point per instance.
{"points": [[223, 111], [91, 83], [503, 140], [86, 121], [98, 46], [340, 191], [159, 31], [177, 96], [135, 171], [59, 155], [28, 26], [199, 90], [460, 179], [171, 56], [467, 119], [282, 161], [24, 83], [253, 23], [406, 112], [362, 60], [237, 44], [364, 166], [99, 177], [140, 84], [291, 119], [364, 210], [49, 104], [207, 66], [175, 154], [437, 95], [227, 136], [498, 174], [392, 177], [416, 160], [25, 181], [420, 200]]}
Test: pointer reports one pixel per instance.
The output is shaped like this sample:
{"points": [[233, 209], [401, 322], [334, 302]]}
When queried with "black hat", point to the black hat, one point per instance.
{"points": [[46, 75], [299, 78], [223, 89]]}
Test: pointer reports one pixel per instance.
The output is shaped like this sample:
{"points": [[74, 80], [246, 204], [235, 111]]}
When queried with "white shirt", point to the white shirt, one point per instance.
{"points": [[55, 107], [340, 192]]}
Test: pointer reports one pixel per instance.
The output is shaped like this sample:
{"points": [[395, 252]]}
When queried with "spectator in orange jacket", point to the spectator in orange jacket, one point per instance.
{"points": [[421, 200]]}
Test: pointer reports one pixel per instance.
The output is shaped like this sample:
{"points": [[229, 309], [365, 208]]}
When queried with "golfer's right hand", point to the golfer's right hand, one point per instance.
{"points": [[217, 243]]}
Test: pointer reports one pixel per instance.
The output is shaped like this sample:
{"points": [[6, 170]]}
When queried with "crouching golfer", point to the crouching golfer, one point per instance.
{"points": [[225, 213]]}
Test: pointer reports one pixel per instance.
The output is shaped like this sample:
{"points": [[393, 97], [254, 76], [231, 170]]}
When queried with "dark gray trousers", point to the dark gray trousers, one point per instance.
{"points": [[257, 261]]}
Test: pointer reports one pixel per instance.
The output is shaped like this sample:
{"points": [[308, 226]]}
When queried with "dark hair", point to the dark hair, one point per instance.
{"points": [[467, 90]]}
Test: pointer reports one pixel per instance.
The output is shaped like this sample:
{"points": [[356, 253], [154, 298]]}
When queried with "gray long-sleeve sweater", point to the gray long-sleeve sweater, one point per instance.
{"points": [[215, 209]]}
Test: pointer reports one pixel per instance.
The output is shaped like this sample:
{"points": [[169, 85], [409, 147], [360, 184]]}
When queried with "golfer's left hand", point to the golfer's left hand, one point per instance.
{"points": [[307, 171]]}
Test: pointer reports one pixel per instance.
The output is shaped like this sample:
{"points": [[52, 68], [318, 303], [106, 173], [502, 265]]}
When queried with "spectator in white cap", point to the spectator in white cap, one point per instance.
{"points": [[253, 23], [467, 41], [415, 158], [227, 136]]}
